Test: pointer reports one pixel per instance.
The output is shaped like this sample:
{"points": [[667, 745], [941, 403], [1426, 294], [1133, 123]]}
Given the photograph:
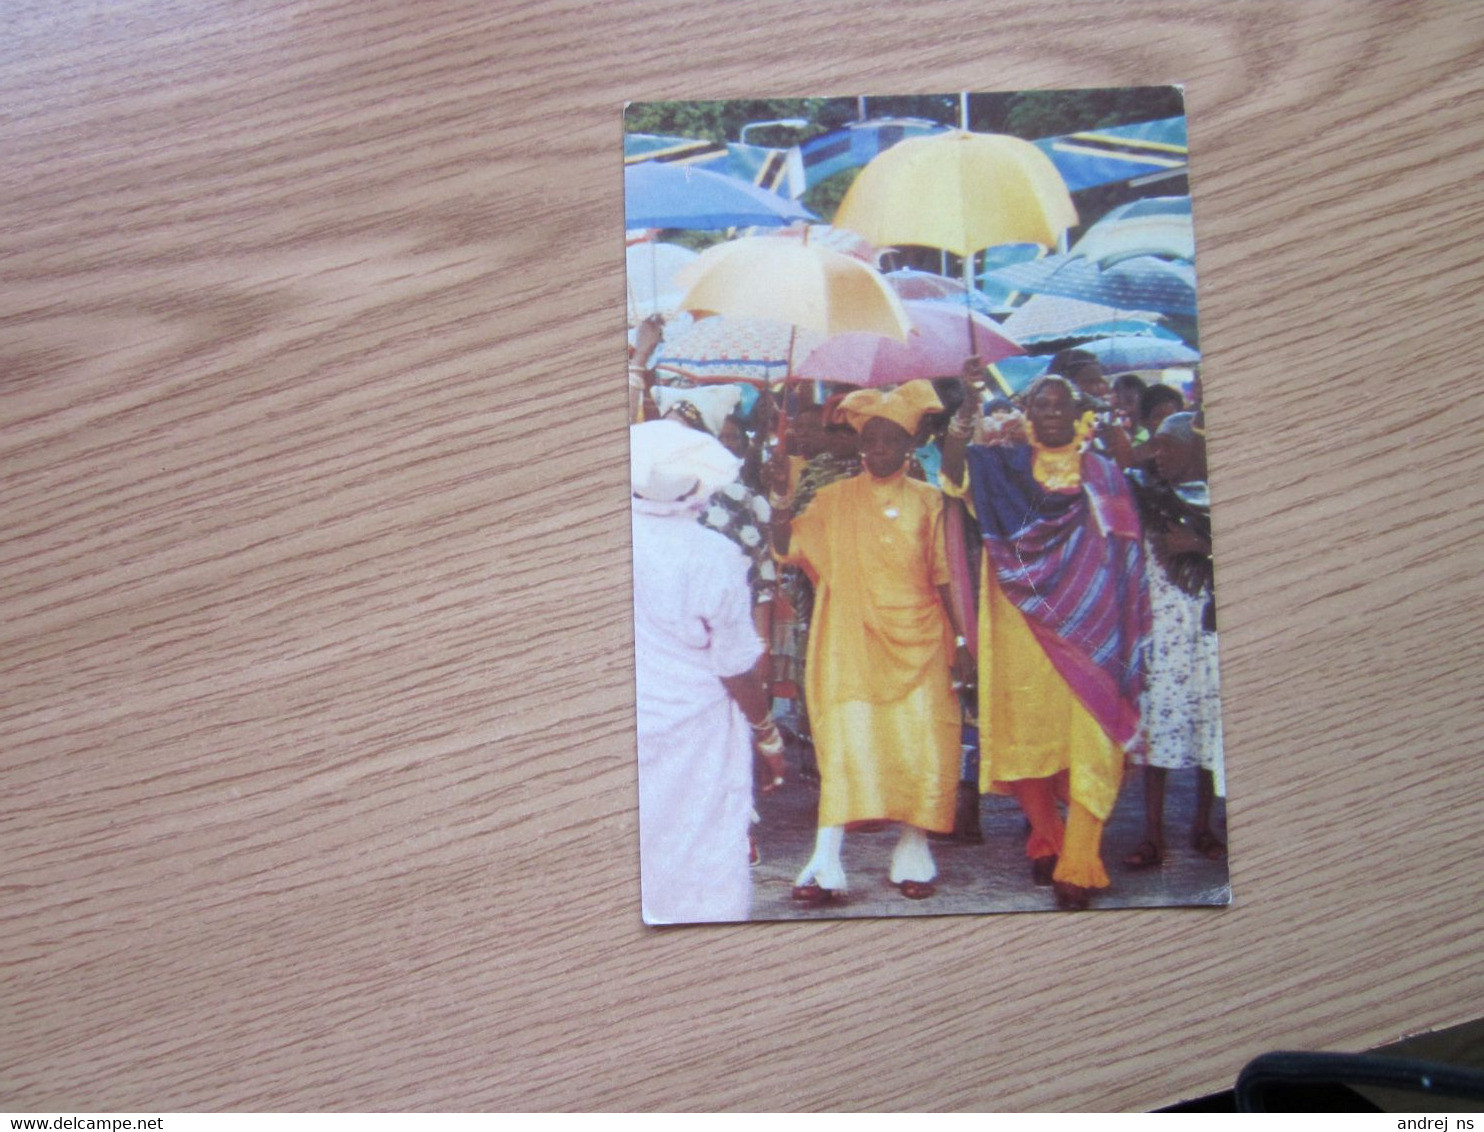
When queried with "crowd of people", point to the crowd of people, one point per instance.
{"points": [[914, 597]]}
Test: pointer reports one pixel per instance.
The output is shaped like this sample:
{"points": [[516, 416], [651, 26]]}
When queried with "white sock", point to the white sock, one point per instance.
{"points": [[825, 868], [912, 859]]}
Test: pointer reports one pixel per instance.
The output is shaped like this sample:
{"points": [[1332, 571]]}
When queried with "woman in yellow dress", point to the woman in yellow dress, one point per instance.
{"points": [[883, 647]]}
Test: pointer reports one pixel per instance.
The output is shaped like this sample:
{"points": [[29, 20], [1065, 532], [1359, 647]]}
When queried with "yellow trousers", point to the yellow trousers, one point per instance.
{"points": [[1076, 843]]}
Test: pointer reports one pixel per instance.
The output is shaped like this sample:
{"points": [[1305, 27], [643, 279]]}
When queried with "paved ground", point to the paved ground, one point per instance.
{"points": [[993, 877]]}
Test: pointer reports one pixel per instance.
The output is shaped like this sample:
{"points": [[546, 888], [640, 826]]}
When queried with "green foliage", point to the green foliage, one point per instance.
{"points": [[1029, 114], [940, 108], [723, 121], [1033, 114], [824, 198], [694, 239]]}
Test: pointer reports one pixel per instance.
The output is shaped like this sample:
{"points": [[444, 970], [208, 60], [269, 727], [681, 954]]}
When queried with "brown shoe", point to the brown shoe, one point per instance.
{"points": [[1209, 846], [1071, 897], [811, 893], [917, 889], [1147, 856], [1041, 870]]}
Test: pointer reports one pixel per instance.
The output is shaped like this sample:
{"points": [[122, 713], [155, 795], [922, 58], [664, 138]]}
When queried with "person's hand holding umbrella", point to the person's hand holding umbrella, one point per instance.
{"points": [[776, 477], [975, 373], [646, 338], [1116, 442], [961, 425], [641, 377]]}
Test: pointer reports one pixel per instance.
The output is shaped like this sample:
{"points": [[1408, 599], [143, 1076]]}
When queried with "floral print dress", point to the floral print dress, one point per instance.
{"points": [[743, 516]]}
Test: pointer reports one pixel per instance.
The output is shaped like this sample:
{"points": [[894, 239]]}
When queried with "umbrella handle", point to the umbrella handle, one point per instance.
{"points": [[775, 449], [969, 318], [788, 369]]}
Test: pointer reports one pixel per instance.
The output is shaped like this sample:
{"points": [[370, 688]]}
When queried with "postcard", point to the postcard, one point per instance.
{"points": [[924, 604]]}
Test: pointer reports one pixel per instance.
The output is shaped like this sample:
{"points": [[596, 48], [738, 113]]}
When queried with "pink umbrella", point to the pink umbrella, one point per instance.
{"points": [[935, 347], [910, 283]]}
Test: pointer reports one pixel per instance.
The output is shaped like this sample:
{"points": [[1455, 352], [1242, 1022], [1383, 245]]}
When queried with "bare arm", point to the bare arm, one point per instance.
{"points": [[762, 621], [646, 340], [751, 694], [964, 665], [1117, 444], [956, 443], [777, 477]]}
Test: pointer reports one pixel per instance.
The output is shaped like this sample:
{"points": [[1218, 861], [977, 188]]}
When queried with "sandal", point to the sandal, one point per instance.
{"points": [[812, 894], [1147, 856], [917, 889], [1041, 870], [1209, 846], [1072, 897]]}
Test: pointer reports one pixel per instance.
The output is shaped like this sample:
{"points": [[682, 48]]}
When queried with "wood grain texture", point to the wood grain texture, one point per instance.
{"points": [[316, 687]]}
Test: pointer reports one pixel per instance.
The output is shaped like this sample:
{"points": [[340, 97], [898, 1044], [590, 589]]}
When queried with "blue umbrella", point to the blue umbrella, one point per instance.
{"points": [[1119, 354], [1165, 235], [1003, 256], [658, 194], [1124, 352], [1148, 206], [1017, 373], [1143, 283], [1115, 328]]}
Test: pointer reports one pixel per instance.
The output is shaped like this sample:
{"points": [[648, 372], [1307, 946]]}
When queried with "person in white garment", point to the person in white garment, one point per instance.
{"points": [[701, 707]]}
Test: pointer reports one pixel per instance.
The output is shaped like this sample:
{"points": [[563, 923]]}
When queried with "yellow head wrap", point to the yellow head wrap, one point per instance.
{"points": [[904, 405]]}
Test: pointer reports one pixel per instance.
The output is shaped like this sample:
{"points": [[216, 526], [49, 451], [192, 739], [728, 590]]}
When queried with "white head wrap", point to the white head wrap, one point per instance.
{"points": [[676, 466], [714, 402]]}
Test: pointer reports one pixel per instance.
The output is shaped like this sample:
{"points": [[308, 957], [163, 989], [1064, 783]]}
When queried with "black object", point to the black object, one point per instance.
{"points": [[1287, 1081]]}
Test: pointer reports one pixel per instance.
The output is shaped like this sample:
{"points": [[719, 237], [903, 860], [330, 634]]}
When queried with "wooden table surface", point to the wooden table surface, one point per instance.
{"points": [[318, 756]]}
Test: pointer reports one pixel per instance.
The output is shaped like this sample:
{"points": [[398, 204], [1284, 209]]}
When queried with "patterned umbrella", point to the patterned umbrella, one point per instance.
{"points": [[1045, 318], [661, 195], [754, 350], [936, 347], [1143, 283]]}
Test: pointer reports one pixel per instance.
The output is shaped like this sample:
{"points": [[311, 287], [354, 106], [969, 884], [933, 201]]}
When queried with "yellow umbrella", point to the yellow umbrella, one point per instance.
{"points": [[959, 191], [808, 286]]}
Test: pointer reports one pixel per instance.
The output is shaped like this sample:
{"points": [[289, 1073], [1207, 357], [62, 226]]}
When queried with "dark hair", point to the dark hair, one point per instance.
{"points": [[1157, 395], [1047, 379], [1129, 381], [1065, 361]]}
